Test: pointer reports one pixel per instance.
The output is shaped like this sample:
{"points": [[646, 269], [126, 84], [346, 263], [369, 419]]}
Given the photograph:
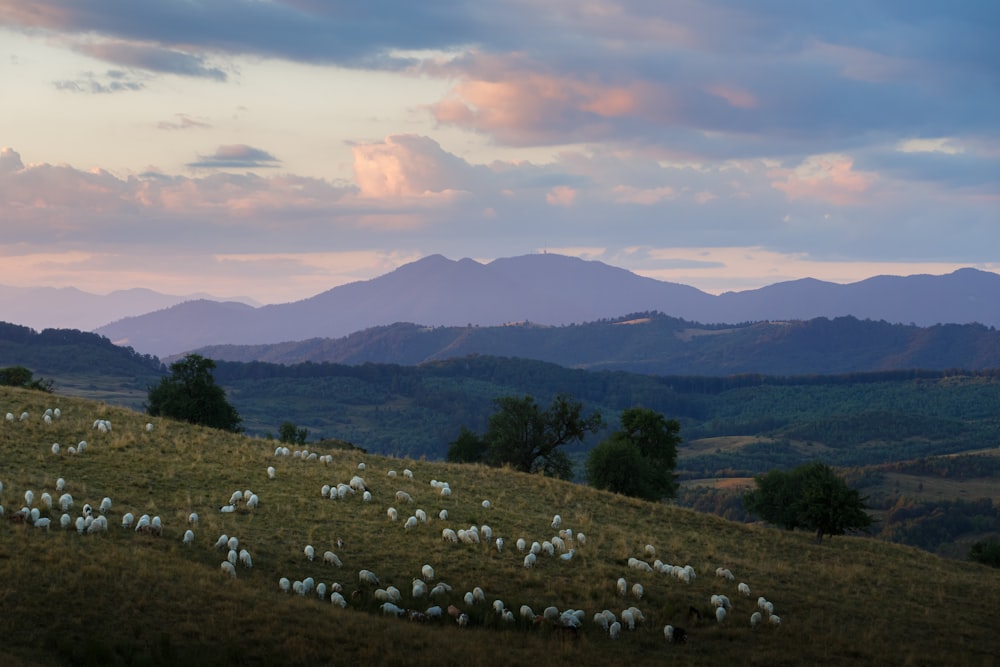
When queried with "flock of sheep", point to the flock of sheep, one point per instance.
{"points": [[427, 599]]}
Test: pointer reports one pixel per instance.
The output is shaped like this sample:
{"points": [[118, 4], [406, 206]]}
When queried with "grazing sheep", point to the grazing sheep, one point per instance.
{"points": [[222, 542], [529, 560], [367, 577], [233, 556], [245, 559], [55, 447], [236, 497], [774, 619], [60, 485], [367, 496], [615, 630], [568, 555], [601, 621], [556, 522], [284, 584], [407, 473], [650, 550], [43, 523], [332, 559], [357, 483], [392, 514], [403, 497], [469, 601], [47, 500], [411, 522], [65, 521], [321, 591], [193, 518], [621, 586], [720, 614], [149, 427], [421, 516], [443, 515], [499, 543], [724, 573], [744, 589], [105, 505], [486, 504], [309, 551], [672, 634], [390, 608], [637, 591], [29, 497], [188, 536], [229, 568], [478, 595], [521, 544], [449, 535], [755, 619], [361, 466], [81, 524], [427, 572], [418, 589], [271, 472], [337, 600], [628, 619], [445, 491]]}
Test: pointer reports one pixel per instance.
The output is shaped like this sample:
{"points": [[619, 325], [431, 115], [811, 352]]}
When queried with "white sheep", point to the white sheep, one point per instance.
{"points": [[284, 584], [47, 500], [774, 619], [449, 535], [724, 573], [421, 516], [65, 521], [367, 496], [637, 591], [60, 485], [521, 544], [650, 550], [427, 572], [55, 447], [486, 504], [331, 558], [29, 497], [601, 621], [411, 522], [233, 557], [478, 595], [309, 551], [245, 559], [744, 589], [628, 619], [556, 522], [499, 544], [367, 577], [188, 536], [253, 501], [418, 589], [720, 614], [271, 472], [529, 560], [445, 491], [392, 513], [321, 591], [228, 568], [403, 497], [615, 630], [105, 505], [149, 427], [337, 600], [621, 586], [755, 619], [407, 473], [43, 522]]}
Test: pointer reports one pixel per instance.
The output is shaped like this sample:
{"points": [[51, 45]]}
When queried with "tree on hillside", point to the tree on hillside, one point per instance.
{"points": [[638, 459], [19, 376], [986, 552], [811, 497], [190, 394], [522, 435], [291, 434]]}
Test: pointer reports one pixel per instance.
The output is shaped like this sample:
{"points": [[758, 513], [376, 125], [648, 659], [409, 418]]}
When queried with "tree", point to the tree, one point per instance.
{"points": [[291, 434], [986, 552], [520, 434], [466, 448], [19, 376], [639, 459], [190, 394], [812, 497]]}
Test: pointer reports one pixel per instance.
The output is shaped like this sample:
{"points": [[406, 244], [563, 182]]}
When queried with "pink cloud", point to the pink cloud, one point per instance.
{"points": [[830, 178], [406, 166], [561, 195], [644, 196]]}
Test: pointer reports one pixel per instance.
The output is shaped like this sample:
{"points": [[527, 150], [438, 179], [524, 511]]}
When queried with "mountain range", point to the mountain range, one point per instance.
{"points": [[72, 308], [552, 290]]}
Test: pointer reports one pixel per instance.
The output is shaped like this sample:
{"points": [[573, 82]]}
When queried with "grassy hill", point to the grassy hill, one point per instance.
{"points": [[124, 598]]}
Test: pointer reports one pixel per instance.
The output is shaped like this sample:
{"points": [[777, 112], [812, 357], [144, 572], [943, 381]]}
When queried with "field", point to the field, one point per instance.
{"points": [[119, 597]]}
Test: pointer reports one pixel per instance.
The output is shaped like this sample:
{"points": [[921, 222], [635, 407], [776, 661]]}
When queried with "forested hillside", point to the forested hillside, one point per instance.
{"points": [[655, 344]]}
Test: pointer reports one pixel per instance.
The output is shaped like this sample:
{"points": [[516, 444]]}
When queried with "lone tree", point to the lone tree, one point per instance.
{"points": [[289, 433], [520, 434], [811, 497], [638, 459], [19, 376], [190, 394]]}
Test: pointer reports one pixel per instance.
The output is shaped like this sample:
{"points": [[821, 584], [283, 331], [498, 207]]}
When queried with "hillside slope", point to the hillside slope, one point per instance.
{"points": [[121, 597]]}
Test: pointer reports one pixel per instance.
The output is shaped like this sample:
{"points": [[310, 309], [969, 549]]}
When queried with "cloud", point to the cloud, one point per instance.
{"points": [[830, 178], [236, 156], [151, 58], [112, 81], [182, 122], [10, 160], [408, 165]]}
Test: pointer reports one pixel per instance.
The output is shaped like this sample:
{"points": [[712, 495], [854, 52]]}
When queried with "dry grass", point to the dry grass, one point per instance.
{"points": [[123, 598]]}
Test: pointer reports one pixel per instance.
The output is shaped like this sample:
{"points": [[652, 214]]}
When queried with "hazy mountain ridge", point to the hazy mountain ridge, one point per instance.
{"points": [[71, 308], [554, 290]]}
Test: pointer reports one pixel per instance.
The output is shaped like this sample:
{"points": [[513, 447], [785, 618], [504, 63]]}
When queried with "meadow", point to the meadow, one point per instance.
{"points": [[122, 598]]}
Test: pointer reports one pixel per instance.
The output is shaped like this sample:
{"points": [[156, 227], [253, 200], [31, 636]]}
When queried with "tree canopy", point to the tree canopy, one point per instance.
{"points": [[190, 394], [522, 435], [19, 376], [638, 459], [811, 497]]}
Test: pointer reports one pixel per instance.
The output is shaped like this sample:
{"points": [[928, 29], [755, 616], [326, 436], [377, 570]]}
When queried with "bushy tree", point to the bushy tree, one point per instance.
{"points": [[19, 376], [466, 448], [190, 394], [638, 459], [811, 497], [986, 552], [291, 434], [522, 435]]}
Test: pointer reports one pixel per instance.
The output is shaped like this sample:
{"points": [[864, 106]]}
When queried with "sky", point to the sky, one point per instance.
{"points": [[274, 149]]}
